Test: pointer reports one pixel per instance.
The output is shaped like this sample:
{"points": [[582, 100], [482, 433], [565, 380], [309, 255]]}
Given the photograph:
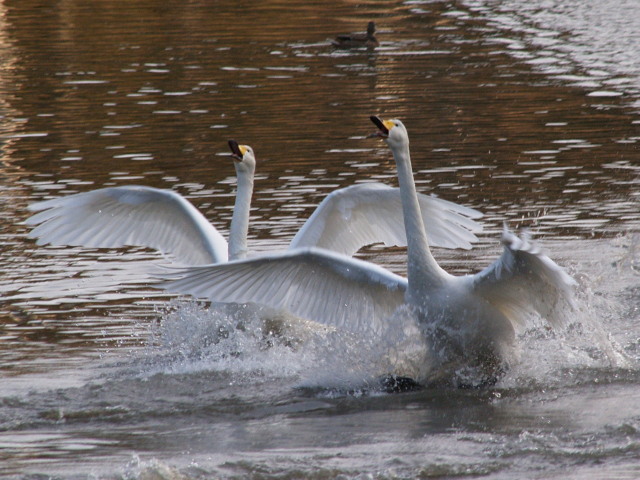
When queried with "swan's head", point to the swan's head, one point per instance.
{"points": [[243, 156], [391, 131]]}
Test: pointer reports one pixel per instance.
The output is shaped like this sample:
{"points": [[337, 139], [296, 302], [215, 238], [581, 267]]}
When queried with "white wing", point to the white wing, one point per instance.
{"points": [[131, 215], [368, 213], [524, 281], [311, 283]]}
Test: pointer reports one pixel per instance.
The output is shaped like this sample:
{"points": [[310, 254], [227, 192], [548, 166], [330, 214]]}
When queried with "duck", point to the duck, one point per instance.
{"points": [[467, 323], [360, 39], [135, 215]]}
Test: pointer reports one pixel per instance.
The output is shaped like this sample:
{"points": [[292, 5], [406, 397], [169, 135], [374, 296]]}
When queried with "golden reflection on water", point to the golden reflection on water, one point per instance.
{"points": [[116, 92]]}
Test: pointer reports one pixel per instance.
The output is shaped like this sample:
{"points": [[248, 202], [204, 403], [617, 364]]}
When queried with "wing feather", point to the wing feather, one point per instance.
{"points": [[368, 213], [312, 283], [129, 215], [524, 281]]}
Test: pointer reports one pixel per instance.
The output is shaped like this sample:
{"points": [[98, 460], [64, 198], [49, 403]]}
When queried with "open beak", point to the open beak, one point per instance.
{"points": [[383, 131], [237, 151]]}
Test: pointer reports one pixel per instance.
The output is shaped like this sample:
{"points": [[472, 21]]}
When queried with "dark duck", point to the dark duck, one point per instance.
{"points": [[360, 39]]}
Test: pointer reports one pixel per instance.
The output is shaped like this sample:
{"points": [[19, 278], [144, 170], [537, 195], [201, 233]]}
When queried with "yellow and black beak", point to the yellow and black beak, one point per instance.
{"points": [[237, 151], [383, 126]]}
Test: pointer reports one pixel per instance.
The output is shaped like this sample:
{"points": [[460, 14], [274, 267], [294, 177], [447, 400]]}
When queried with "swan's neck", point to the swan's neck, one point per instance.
{"points": [[240, 219], [423, 271]]}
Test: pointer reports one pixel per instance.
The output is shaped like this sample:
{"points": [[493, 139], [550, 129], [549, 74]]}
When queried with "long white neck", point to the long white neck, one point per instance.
{"points": [[423, 270], [240, 219]]}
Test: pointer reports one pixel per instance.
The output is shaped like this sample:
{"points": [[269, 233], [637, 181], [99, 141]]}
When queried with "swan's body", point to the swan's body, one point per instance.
{"points": [[468, 321], [351, 40], [346, 220]]}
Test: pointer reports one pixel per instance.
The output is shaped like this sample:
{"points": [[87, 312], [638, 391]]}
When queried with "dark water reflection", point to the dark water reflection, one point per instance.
{"points": [[113, 92]]}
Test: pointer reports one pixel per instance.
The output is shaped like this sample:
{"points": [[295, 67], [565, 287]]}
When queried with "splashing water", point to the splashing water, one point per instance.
{"points": [[249, 342]]}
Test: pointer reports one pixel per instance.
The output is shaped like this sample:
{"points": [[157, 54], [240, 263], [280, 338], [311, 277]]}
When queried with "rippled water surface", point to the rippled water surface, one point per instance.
{"points": [[525, 110]]}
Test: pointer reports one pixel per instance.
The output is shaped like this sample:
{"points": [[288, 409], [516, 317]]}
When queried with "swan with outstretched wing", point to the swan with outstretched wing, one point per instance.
{"points": [[469, 321]]}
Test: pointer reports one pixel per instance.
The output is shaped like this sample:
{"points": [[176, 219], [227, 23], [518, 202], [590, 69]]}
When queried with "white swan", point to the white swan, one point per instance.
{"points": [[150, 217], [346, 220], [468, 321]]}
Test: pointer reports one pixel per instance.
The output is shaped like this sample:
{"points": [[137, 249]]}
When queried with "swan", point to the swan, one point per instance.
{"points": [[468, 322], [350, 40], [150, 217], [345, 220]]}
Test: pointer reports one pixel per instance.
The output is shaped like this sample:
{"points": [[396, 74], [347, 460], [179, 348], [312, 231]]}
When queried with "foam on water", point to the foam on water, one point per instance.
{"points": [[242, 340], [597, 335], [250, 342]]}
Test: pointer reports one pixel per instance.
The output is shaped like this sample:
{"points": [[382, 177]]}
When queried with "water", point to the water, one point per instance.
{"points": [[527, 111]]}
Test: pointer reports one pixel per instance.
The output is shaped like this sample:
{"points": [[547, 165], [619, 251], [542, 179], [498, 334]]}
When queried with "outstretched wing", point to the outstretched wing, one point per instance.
{"points": [[129, 215], [524, 281], [368, 213], [311, 283]]}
